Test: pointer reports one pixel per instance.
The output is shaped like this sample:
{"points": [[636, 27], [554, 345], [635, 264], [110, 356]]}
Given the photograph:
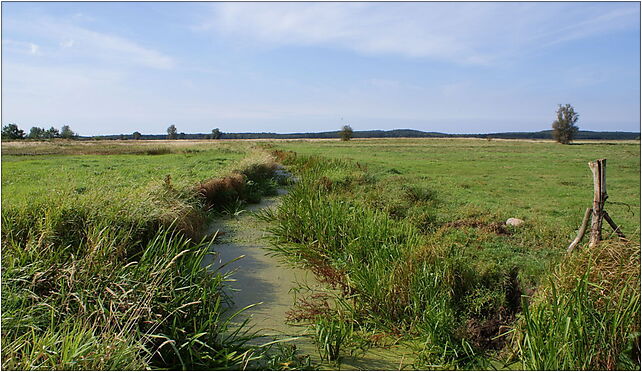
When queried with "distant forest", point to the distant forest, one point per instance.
{"points": [[411, 133]]}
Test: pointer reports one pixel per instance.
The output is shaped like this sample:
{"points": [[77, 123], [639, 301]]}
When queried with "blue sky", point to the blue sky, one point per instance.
{"points": [[111, 68]]}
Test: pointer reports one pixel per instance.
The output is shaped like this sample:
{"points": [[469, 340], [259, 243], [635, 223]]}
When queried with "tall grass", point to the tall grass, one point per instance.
{"points": [[453, 283], [331, 335], [587, 315], [391, 276], [95, 282], [66, 311], [360, 243]]}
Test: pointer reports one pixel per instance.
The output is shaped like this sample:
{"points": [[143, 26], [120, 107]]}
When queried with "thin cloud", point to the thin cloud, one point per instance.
{"points": [[33, 48], [109, 45], [67, 43], [21, 47], [464, 33], [99, 46]]}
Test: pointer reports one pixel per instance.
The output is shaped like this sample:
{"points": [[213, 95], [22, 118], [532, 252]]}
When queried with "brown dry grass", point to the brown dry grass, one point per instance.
{"points": [[218, 191], [106, 147], [614, 265]]}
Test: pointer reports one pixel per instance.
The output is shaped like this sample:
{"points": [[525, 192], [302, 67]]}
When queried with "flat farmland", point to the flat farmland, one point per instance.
{"points": [[531, 180], [414, 230], [104, 244], [107, 168]]}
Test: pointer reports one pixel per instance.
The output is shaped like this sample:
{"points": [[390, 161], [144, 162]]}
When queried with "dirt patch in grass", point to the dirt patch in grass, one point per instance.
{"points": [[486, 334], [490, 333], [494, 227]]}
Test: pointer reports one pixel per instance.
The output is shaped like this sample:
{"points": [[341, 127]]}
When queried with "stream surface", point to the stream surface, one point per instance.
{"points": [[261, 278]]}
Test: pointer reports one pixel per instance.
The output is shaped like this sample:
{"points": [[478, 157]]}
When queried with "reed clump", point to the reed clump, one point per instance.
{"points": [[221, 191], [587, 316]]}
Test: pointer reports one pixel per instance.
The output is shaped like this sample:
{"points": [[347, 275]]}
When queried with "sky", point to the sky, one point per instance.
{"points": [[120, 67]]}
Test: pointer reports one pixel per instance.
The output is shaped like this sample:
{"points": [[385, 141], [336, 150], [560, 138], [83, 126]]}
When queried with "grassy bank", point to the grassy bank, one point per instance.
{"points": [[419, 256], [102, 258]]}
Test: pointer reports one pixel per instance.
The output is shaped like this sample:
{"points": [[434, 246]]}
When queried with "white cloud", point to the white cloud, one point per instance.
{"points": [[33, 48], [67, 43], [82, 17], [98, 46], [109, 47], [466, 33], [20, 47]]}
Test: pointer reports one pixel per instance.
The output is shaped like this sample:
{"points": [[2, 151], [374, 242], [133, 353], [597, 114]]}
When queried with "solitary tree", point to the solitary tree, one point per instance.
{"points": [[564, 128], [11, 131], [36, 133], [171, 132], [346, 133], [216, 134], [66, 132], [136, 135]]}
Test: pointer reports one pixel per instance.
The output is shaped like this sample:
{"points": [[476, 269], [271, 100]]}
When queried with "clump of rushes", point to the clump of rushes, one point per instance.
{"points": [[92, 282], [587, 317], [95, 309], [331, 335], [249, 180]]}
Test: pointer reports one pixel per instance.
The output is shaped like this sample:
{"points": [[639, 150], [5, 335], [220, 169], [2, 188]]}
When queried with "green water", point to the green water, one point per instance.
{"points": [[264, 280]]}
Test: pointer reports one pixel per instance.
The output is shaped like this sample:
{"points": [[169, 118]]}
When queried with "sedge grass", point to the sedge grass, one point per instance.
{"points": [[451, 282], [105, 278]]}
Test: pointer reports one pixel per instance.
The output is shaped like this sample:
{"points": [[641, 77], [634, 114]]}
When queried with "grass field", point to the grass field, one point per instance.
{"points": [[26, 177], [102, 253], [101, 260], [532, 180], [412, 231]]}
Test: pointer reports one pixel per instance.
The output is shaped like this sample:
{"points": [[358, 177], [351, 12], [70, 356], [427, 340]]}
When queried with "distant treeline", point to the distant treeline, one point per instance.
{"points": [[545, 134]]}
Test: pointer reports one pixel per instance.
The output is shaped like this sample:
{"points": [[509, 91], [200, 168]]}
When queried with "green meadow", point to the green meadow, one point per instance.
{"points": [[413, 233], [542, 181], [83, 171], [103, 247]]}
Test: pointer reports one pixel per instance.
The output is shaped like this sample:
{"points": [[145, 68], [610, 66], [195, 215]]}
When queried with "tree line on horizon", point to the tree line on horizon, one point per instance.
{"points": [[11, 131], [564, 130]]}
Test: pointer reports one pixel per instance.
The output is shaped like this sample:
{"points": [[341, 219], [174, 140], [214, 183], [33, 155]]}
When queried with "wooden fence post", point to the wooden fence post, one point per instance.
{"points": [[582, 231], [598, 213], [598, 168]]}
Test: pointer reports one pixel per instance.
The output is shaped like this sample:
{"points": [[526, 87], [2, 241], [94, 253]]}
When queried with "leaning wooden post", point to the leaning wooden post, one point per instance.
{"points": [[598, 213], [598, 168], [582, 231]]}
